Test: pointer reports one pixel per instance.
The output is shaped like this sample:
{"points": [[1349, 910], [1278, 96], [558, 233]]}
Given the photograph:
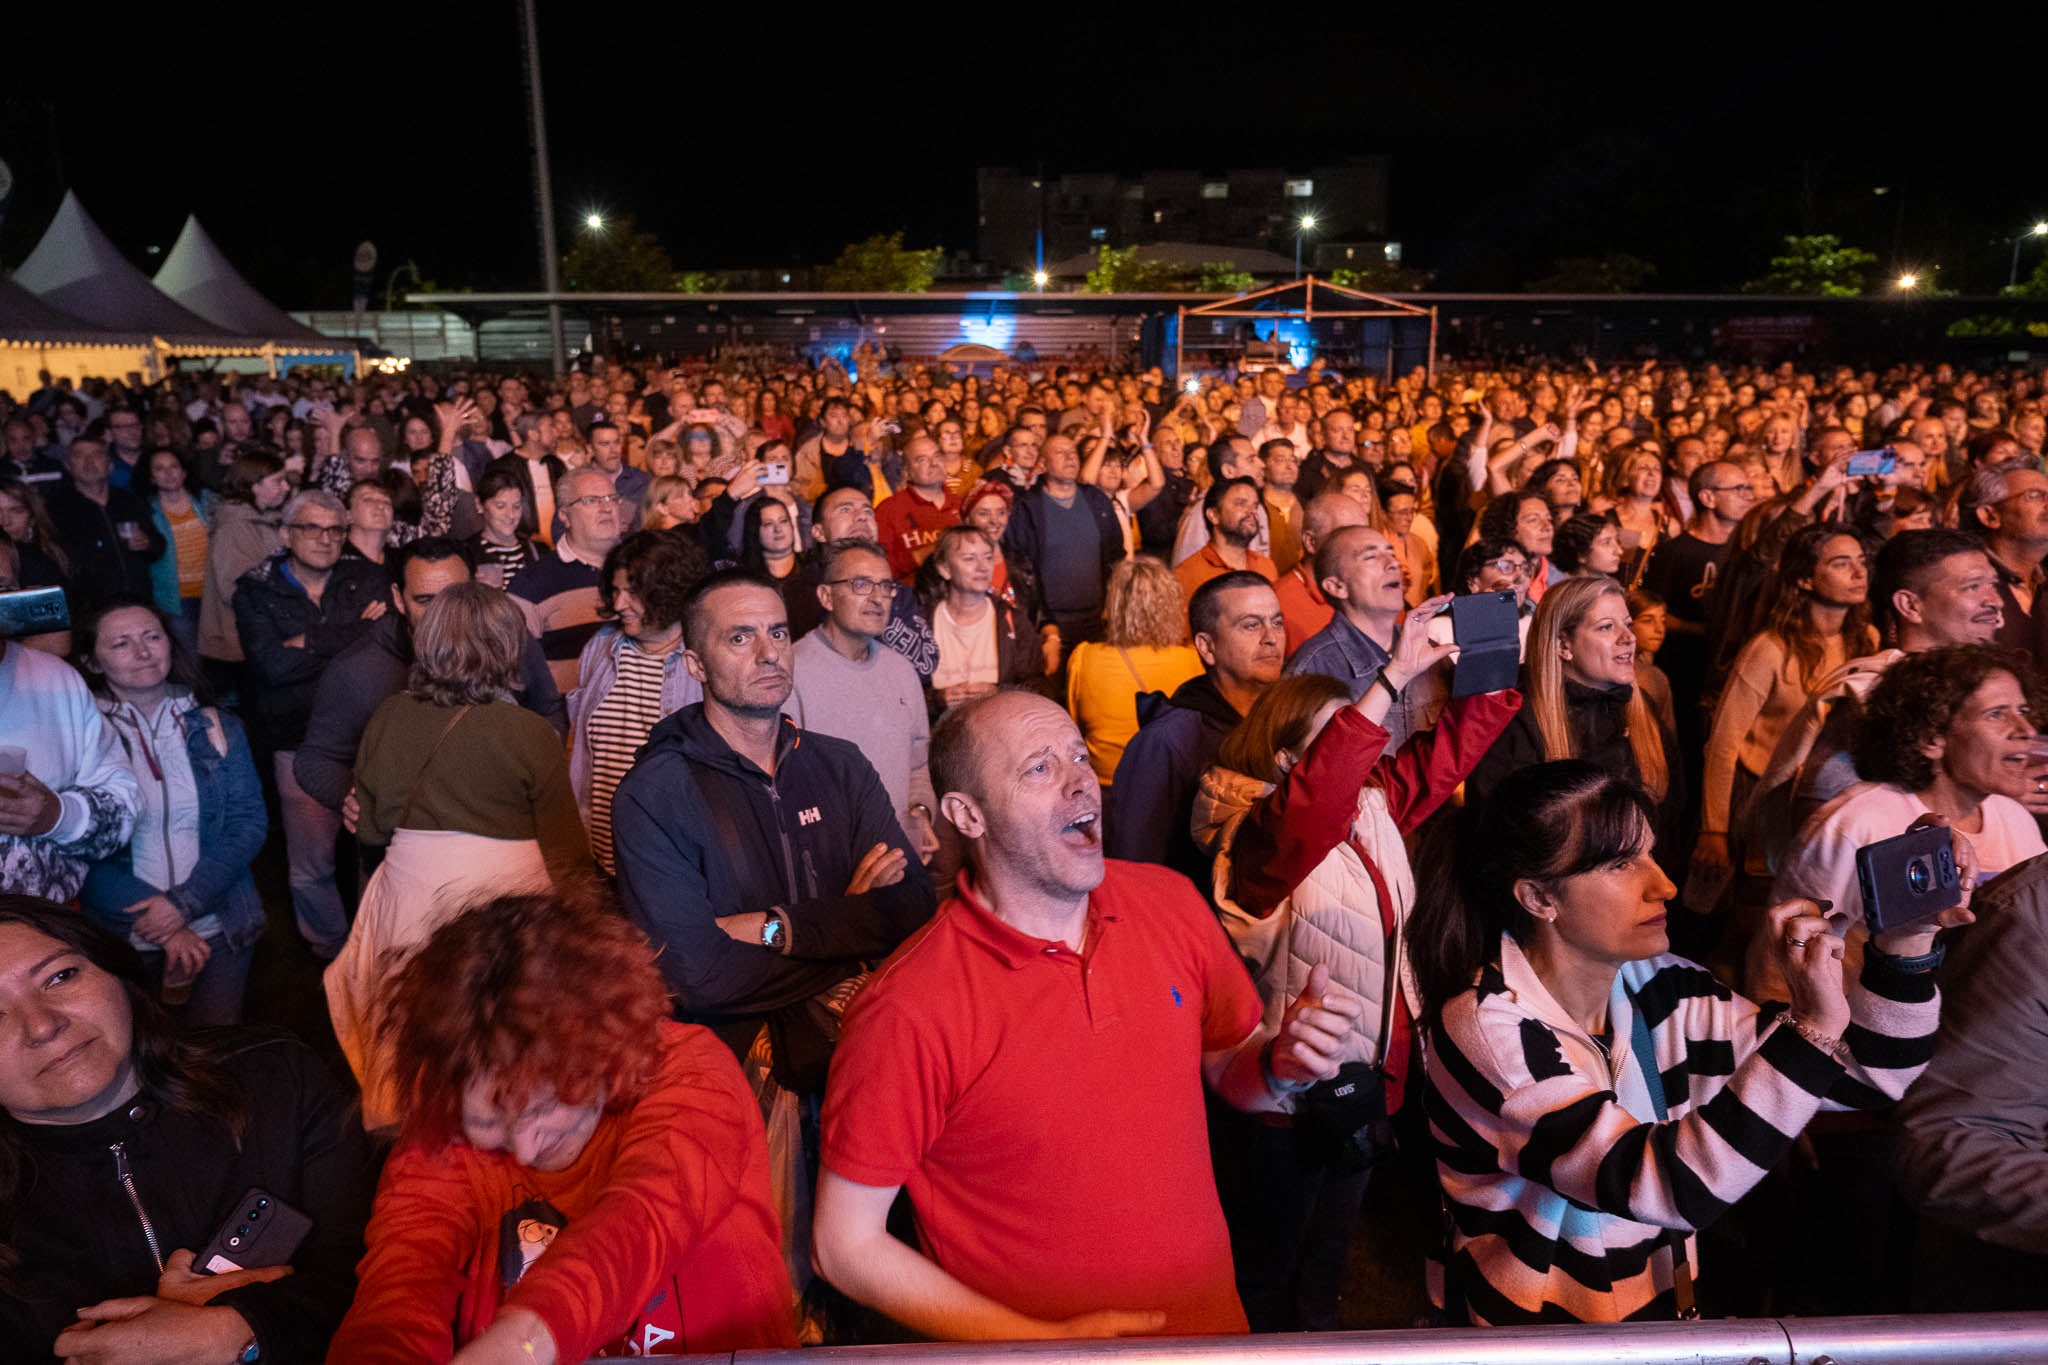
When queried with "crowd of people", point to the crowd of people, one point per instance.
{"points": [[841, 850]]}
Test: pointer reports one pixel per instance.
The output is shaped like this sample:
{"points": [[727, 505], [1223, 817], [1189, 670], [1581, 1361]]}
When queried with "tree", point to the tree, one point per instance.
{"points": [[618, 259], [700, 282], [1614, 273], [2032, 286], [882, 264], [1382, 278], [1223, 277], [1118, 270], [1817, 265]]}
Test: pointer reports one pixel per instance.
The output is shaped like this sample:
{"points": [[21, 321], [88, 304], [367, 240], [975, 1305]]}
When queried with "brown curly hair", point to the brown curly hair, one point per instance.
{"points": [[554, 990], [1916, 702]]}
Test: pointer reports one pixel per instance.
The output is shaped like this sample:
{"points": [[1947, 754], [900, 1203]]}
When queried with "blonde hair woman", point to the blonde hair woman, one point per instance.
{"points": [[1145, 648], [470, 794], [1581, 699]]}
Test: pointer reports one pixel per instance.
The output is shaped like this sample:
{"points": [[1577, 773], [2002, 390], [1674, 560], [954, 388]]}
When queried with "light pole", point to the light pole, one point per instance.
{"points": [[1307, 225], [2037, 230], [1039, 279], [1906, 283], [543, 182]]}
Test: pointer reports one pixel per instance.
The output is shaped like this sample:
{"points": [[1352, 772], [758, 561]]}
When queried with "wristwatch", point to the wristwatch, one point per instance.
{"points": [[774, 932]]}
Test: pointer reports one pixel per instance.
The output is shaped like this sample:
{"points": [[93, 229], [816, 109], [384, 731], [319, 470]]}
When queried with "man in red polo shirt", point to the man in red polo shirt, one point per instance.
{"points": [[1302, 601], [1030, 1067], [912, 517]]}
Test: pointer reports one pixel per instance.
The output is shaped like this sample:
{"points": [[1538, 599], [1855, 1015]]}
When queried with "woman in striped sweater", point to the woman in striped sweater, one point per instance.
{"points": [[1574, 1174]]}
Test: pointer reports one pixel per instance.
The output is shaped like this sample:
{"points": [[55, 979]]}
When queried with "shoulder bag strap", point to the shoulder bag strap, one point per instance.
{"points": [[419, 778], [1136, 677]]}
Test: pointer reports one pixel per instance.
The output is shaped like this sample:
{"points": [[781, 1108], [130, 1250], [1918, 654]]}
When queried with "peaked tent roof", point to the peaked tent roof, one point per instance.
{"points": [[199, 277], [77, 269], [24, 317]]}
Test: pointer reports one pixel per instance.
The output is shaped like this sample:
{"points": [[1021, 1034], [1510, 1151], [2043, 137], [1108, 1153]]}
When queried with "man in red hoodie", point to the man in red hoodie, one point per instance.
{"points": [[912, 517]]}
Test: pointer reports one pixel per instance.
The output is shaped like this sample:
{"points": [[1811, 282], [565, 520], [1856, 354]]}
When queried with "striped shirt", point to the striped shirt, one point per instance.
{"points": [[511, 558], [1567, 1198], [618, 727]]}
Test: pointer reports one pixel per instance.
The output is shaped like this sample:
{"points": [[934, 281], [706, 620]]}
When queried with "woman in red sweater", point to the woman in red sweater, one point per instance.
{"points": [[578, 1174]]}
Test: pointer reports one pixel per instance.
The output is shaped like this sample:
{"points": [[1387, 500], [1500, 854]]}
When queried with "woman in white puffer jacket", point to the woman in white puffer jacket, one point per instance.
{"points": [[1305, 813]]}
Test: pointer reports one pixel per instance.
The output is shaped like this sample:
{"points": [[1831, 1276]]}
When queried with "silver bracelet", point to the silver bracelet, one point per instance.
{"points": [[1831, 1046]]}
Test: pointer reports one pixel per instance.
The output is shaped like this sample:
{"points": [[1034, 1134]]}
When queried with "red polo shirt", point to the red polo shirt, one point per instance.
{"points": [[1302, 604], [1044, 1108], [909, 525]]}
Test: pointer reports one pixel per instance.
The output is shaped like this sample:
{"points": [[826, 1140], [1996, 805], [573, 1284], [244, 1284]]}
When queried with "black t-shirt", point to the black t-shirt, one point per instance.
{"points": [[1683, 571]]}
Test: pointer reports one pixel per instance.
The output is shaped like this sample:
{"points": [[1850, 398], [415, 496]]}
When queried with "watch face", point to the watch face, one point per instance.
{"points": [[771, 933]]}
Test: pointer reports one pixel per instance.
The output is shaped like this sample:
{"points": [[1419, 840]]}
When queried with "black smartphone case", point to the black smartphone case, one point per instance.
{"points": [[1909, 878], [262, 1231]]}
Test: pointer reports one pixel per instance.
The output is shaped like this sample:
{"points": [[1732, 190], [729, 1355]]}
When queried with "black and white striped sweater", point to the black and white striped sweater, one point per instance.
{"points": [[1566, 1195]]}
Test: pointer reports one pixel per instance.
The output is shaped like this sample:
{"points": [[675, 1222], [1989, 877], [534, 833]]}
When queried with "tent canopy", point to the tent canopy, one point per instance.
{"points": [[26, 318], [76, 268], [200, 278]]}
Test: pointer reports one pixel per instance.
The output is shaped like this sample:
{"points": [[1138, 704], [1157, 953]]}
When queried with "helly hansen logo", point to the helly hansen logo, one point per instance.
{"points": [[809, 817]]}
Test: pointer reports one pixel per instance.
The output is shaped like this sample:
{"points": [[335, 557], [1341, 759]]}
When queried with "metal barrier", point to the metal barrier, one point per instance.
{"points": [[1931, 1339]]}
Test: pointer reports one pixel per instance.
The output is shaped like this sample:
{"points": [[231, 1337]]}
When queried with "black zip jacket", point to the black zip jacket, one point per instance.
{"points": [[271, 608], [701, 832], [1152, 801], [80, 1238]]}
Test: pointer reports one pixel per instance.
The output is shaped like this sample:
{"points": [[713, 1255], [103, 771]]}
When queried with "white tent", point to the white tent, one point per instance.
{"points": [[197, 276], [34, 336], [77, 269]]}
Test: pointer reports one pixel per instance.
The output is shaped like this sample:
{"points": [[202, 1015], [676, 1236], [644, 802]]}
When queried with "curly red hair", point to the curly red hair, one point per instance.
{"points": [[537, 991]]}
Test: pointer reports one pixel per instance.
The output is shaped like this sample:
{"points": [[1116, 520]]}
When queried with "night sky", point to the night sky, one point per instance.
{"points": [[754, 134]]}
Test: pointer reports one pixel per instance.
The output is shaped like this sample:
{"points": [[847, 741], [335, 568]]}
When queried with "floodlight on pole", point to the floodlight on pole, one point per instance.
{"points": [[1306, 225], [1907, 282], [1040, 280], [2039, 229], [594, 221]]}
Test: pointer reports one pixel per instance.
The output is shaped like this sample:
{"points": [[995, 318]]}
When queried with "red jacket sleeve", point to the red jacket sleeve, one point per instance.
{"points": [[1429, 767], [410, 1283], [689, 1153], [1293, 828]]}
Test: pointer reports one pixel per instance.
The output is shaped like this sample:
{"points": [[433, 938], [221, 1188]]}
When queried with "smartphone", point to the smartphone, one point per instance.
{"points": [[33, 611], [1865, 464], [776, 471], [1908, 879], [262, 1231]]}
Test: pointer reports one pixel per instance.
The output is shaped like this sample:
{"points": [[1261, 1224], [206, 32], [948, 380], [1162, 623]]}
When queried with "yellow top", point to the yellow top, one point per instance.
{"points": [[1103, 683]]}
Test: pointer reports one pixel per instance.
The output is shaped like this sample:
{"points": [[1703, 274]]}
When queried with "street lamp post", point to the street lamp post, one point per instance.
{"points": [[2037, 230], [1307, 225], [543, 182]]}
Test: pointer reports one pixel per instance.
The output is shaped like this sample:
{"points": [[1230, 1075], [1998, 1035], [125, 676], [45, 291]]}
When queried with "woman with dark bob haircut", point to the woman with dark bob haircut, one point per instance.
{"points": [[1947, 733], [632, 669], [124, 1145], [467, 790], [1598, 1099], [577, 1173]]}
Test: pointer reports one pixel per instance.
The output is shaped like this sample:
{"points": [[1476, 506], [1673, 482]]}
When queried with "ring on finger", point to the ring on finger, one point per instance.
{"points": [[1796, 942]]}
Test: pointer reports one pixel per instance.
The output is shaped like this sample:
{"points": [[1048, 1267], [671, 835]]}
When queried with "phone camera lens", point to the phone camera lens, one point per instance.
{"points": [[263, 1203], [255, 1213], [1919, 876]]}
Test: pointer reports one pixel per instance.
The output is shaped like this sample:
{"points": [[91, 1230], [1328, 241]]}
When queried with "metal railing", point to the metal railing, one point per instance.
{"points": [[1930, 1339]]}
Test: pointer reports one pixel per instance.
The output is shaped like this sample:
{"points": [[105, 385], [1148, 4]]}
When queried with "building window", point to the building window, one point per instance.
{"points": [[1301, 189], [1098, 234], [1215, 189], [1158, 215], [1394, 251]]}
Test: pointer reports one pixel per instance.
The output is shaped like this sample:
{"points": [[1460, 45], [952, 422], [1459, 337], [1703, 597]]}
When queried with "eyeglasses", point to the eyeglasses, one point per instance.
{"points": [[1729, 488], [318, 532], [1512, 568], [599, 500], [863, 586]]}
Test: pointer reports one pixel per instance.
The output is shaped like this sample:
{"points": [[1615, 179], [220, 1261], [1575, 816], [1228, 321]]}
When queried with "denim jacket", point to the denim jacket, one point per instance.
{"points": [[232, 826]]}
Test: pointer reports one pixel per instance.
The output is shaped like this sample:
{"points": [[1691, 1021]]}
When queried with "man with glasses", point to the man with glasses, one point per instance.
{"points": [[124, 444], [1683, 571], [295, 612], [558, 591], [851, 686], [2005, 506]]}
